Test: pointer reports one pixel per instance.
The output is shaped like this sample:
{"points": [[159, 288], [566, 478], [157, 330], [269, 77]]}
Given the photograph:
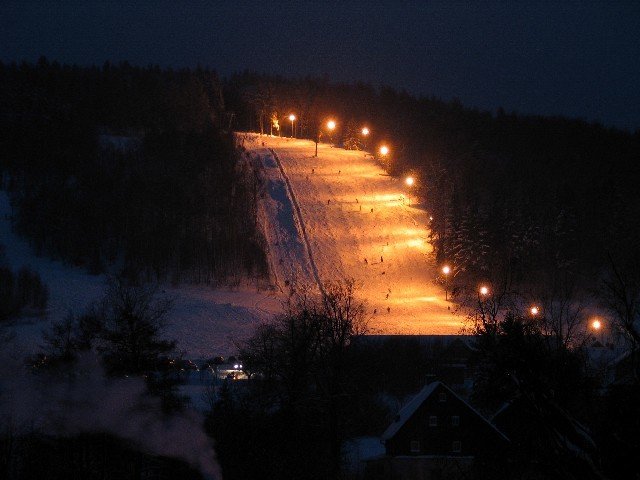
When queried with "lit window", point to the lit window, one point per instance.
{"points": [[415, 446], [442, 397], [455, 420], [433, 421], [456, 447]]}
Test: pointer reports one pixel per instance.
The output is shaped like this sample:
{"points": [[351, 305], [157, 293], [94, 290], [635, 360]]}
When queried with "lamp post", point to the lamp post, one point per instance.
{"points": [[534, 311], [365, 133], [596, 326], [446, 270], [331, 125], [292, 117]]}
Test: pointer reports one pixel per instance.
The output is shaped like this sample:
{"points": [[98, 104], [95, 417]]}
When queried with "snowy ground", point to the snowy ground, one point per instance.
{"points": [[334, 195], [205, 321], [352, 211]]}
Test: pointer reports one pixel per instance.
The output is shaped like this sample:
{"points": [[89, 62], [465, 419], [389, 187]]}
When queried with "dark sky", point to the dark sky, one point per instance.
{"points": [[576, 59]]}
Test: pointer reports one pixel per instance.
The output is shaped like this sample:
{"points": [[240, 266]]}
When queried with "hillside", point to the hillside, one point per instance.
{"points": [[360, 223]]}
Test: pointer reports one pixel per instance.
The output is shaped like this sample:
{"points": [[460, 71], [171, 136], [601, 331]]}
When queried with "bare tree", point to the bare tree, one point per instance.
{"points": [[134, 317], [621, 297], [303, 355]]}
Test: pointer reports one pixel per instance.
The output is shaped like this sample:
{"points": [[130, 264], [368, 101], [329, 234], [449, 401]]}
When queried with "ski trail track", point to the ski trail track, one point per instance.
{"points": [[350, 210]]}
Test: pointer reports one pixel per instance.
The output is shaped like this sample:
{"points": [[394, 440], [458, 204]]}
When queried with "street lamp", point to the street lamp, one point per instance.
{"points": [[484, 290], [292, 117], [365, 133], [534, 310], [596, 326], [384, 150], [446, 270], [409, 181], [331, 125]]}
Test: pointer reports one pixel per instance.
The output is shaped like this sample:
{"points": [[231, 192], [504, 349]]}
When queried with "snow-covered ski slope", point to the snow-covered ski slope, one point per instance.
{"points": [[359, 223]]}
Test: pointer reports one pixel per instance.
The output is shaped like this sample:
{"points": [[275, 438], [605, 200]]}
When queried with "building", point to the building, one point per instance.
{"points": [[436, 435]]}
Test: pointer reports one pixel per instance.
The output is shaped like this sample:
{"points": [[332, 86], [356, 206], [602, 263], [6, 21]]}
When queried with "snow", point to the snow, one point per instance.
{"points": [[410, 408], [360, 449], [336, 193], [205, 321], [316, 222]]}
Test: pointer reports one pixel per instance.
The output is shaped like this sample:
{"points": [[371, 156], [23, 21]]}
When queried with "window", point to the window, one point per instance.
{"points": [[456, 446], [433, 421], [415, 446], [455, 421], [442, 397]]}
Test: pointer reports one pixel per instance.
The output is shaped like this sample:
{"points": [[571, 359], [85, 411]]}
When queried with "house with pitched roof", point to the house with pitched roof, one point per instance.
{"points": [[436, 435]]}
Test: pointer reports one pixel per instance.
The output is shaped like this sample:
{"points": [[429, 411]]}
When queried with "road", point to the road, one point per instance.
{"points": [[359, 223]]}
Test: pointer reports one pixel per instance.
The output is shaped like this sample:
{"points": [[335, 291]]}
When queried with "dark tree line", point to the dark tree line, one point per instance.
{"points": [[20, 292], [90, 455], [128, 166], [524, 193], [294, 415]]}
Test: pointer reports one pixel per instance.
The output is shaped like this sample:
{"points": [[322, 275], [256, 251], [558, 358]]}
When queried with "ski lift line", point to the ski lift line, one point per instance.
{"points": [[314, 268]]}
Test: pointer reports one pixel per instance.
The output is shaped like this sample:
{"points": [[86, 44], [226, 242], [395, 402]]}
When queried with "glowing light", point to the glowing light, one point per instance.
{"points": [[292, 117], [534, 310], [409, 181], [446, 269], [365, 131], [331, 124], [384, 150], [596, 324], [416, 242], [484, 290]]}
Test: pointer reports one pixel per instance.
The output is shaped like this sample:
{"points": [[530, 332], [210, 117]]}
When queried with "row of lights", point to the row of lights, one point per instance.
{"points": [[331, 125], [410, 181], [384, 150], [534, 310]]}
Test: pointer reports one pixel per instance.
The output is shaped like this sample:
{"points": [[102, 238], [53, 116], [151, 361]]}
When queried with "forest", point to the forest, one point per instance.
{"points": [[128, 167], [136, 167], [134, 171], [524, 197]]}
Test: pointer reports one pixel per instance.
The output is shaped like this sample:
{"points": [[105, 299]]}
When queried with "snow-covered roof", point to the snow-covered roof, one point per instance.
{"points": [[410, 408]]}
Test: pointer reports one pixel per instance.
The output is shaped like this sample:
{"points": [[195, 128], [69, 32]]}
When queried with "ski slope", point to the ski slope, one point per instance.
{"points": [[339, 235], [341, 215]]}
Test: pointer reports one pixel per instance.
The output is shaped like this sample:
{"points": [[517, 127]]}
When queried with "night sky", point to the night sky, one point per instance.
{"points": [[576, 59]]}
